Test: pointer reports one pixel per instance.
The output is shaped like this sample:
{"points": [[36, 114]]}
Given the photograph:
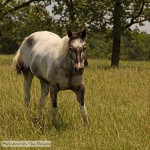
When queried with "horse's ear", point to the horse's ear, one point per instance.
{"points": [[70, 34], [83, 34]]}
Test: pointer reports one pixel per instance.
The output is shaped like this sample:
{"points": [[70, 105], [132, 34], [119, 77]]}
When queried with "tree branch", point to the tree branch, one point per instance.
{"points": [[132, 21], [38, 12], [24, 4], [5, 3], [136, 22]]}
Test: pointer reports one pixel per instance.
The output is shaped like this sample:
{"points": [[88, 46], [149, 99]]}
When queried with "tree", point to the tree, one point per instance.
{"points": [[70, 13], [19, 19], [117, 14], [136, 11], [100, 14]]}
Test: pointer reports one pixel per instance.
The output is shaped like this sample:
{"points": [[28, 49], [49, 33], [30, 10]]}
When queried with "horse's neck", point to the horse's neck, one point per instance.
{"points": [[67, 65], [63, 60]]}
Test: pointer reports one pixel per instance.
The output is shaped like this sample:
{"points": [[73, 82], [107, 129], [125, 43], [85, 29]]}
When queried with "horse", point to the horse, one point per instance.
{"points": [[57, 62]]}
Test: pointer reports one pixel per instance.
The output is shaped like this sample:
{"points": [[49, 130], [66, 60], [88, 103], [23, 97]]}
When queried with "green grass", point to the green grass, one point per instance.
{"points": [[117, 100]]}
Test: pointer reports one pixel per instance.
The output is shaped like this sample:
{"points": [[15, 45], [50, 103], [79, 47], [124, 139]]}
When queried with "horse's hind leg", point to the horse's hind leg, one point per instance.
{"points": [[28, 76], [80, 97], [44, 93]]}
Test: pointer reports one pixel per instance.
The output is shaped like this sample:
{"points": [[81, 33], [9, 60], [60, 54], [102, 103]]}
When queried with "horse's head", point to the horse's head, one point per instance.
{"points": [[77, 49]]}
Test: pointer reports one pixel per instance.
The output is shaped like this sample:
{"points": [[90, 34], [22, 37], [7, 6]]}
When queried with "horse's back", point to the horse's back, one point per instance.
{"points": [[45, 42], [43, 36]]}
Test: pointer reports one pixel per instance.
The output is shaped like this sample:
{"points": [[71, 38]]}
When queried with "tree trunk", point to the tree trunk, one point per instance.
{"points": [[116, 33]]}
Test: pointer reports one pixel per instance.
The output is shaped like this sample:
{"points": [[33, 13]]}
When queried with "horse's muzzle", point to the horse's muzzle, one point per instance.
{"points": [[79, 67]]}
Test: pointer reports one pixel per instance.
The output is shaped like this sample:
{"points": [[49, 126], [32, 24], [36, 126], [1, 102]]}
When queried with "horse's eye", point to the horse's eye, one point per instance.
{"points": [[71, 48]]}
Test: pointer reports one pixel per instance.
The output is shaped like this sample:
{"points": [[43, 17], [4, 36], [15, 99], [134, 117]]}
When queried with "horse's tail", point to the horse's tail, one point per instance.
{"points": [[21, 59], [17, 63]]}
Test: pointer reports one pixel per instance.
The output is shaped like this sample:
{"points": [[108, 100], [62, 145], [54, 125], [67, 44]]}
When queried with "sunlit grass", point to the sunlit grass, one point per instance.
{"points": [[117, 100]]}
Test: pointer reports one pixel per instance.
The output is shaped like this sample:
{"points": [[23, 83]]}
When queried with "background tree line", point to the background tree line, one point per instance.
{"points": [[108, 24]]}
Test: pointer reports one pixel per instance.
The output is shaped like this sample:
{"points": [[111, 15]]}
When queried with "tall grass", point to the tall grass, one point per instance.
{"points": [[117, 100]]}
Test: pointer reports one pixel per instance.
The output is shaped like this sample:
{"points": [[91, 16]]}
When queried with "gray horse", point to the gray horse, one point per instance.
{"points": [[57, 62]]}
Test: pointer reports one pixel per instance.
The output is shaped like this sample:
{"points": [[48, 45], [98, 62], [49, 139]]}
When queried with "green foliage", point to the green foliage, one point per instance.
{"points": [[135, 46], [96, 16], [19, 24], [71, 16], [99, 45]]}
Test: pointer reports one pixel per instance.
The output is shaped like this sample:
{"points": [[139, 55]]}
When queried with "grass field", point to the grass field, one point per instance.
{"points": [[117, 101]]}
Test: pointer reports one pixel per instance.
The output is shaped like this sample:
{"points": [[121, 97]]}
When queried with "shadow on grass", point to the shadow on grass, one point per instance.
{"points": [[60, 124], [45, 124]]}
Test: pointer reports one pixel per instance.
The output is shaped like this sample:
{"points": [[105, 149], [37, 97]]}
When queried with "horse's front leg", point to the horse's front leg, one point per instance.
{"points": [[80, 97], [53, 93]]}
